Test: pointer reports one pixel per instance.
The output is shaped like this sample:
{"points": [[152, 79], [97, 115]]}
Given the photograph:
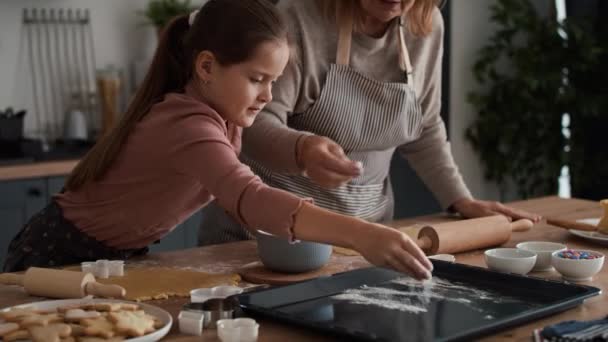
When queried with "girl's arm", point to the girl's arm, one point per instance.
{"points": [[380, 245]]}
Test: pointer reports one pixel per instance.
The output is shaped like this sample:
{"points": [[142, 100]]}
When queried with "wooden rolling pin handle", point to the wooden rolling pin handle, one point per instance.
{"points": [[428, 240], [11, 279], [571, 224], [104, 291], [521, 225]]}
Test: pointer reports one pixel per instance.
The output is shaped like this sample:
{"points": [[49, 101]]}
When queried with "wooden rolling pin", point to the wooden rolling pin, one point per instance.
{"points": [[46, 282], [467, 235], [571, 224]]}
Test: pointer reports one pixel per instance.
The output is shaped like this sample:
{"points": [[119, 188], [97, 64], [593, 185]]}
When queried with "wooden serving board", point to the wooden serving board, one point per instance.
{"points": [[256, 273]]}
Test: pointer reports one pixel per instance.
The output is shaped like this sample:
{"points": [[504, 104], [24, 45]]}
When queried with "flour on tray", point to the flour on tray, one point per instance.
{"points": [[414, 296]]}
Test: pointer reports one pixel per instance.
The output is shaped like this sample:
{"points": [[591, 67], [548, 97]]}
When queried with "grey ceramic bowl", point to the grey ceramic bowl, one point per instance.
{"points": [[278, 254]]}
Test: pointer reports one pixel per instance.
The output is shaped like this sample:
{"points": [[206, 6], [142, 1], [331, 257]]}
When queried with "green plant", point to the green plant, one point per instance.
{"points": [[525, 72], [160, 12]]}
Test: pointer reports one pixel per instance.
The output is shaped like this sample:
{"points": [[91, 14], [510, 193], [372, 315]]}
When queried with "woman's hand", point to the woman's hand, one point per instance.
{"points": [[325, 162], [387, 247], [471, 208]]}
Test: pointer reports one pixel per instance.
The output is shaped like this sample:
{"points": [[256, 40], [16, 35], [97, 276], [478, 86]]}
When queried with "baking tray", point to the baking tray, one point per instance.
{"points": [[460, 302]]}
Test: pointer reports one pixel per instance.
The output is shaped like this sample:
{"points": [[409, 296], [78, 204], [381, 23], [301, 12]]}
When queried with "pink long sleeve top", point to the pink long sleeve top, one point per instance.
{"points": [[176, 160]]}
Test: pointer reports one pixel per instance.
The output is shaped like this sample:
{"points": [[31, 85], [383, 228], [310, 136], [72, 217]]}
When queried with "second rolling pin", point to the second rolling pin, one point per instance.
{"points": [[467, 235], [52, 283]]}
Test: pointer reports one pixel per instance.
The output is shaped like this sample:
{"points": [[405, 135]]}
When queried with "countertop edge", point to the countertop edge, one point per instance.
{"points": [[37, 170]]}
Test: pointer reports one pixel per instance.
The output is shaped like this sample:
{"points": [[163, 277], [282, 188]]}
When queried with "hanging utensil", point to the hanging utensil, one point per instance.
{"points": [[27, 22]]}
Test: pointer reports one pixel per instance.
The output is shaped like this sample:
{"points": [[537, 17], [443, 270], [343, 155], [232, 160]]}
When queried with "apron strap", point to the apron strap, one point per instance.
{"points": [[404, 55], [344, 16]]}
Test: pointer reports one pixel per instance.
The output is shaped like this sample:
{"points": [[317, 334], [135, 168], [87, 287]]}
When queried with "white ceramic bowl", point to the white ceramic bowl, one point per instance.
{"points": [[577, 269], [510, 260], [543, 250], [280, 255]]}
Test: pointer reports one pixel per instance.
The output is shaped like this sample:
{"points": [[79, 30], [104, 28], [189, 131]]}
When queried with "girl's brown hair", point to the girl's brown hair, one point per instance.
{"points": [[230, 29], [419, 18]]}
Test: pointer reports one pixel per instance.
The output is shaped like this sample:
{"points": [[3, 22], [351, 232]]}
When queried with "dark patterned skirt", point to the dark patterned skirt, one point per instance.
{"points": [[49, 240]]}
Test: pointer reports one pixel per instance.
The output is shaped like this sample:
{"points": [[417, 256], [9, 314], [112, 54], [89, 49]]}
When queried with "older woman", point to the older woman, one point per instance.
{"points": [[367, 82]]}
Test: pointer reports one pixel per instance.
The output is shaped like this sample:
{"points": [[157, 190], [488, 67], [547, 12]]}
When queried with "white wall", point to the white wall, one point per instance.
{"points": [[118, 34], [470, 29]]}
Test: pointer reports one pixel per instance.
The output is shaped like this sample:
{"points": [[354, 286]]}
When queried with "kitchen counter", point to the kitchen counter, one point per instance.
{"points": [[37, 169], [228, 257]]}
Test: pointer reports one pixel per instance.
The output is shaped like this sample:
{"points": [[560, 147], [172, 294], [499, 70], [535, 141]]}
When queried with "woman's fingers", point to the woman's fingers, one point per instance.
{"points": [[516, 213]]}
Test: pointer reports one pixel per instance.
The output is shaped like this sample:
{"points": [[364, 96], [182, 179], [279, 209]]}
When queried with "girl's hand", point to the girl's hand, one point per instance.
{"points": [[471, 208], [387, 247], [325, 162]]}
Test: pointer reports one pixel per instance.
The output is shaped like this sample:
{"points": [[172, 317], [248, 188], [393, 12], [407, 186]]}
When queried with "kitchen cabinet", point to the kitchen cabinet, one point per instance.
{"points": [[183, 236], [19, 200], [412, 197]]}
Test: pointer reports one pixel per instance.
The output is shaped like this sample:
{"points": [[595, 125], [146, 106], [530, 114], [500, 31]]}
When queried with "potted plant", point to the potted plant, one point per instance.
{"points": [[526, 72], [159, 12]]}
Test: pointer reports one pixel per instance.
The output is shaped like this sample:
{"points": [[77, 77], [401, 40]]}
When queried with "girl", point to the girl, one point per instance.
{"points": [[176, 148]]}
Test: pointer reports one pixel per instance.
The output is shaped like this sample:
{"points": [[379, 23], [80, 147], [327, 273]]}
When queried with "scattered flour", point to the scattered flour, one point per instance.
{"points": [[415, 296]]}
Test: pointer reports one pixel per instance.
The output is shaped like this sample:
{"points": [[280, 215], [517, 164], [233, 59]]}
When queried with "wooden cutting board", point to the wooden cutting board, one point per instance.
{"points": [[256, 273]]}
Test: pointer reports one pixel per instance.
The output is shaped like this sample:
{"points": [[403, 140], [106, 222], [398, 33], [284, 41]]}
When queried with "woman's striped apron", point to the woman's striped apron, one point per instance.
{"points": [[368, 118]]}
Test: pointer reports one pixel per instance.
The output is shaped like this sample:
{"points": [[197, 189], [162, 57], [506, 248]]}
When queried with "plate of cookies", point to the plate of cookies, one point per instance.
{"points": [[84, 320]]}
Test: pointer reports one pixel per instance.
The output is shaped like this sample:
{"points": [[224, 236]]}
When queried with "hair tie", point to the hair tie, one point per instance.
{"points": [[191, 17]]}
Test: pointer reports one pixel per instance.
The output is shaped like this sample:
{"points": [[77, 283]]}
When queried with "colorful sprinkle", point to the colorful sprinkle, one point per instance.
{"points": [[574, 254]]}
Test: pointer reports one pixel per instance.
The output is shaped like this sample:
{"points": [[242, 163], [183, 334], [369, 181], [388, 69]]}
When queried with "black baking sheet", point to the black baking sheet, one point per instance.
{"points": [[461, 302]]}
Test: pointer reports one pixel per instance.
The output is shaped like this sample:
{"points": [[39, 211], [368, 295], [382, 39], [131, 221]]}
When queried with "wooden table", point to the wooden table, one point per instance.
{"points": [[227, 257]]}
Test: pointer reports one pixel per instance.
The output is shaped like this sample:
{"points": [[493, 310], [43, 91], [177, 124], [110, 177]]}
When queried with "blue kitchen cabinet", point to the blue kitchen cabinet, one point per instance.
{"points": [[412, 197], [183, 236], [190, 228], [19, 200], [54, 185]]}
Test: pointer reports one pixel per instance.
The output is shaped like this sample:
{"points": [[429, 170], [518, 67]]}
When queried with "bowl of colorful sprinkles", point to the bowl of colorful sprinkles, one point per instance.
{"points": [[577, 264]]}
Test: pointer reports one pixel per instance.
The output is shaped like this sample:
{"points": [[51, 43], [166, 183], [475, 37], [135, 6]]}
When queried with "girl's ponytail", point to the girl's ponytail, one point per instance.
{"points": [[168, 72]]}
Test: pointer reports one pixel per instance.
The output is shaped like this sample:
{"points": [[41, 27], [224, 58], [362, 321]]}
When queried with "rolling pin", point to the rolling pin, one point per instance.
{"points": [[52, 283], [601, 227], [571, 224], [466, 235]]}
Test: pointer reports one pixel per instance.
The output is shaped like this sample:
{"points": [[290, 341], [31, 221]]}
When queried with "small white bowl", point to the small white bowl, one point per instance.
{"points": [[510, 260], [577, 269], [543, 250]]}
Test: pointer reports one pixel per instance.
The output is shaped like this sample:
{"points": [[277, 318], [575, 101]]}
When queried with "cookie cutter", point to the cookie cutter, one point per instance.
{"points": [[116, 268], [104, 268], [213, 310], [191, 322], [88, 267], [203, 294], [237, 330]]}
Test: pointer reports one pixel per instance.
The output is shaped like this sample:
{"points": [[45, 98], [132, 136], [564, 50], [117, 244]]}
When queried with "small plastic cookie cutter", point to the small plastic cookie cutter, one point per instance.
{"points": [[191, 322], [88, 267], [202, 294], [102, 268], [237, 330], [213, 310], [116, 268]]}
